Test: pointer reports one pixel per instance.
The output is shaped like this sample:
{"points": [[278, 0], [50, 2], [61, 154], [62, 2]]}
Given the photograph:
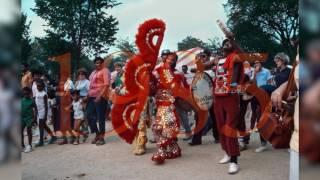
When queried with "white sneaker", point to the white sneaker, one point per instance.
{"points": [[28, 149], [225, 159], [261, 149], [233, 168]]}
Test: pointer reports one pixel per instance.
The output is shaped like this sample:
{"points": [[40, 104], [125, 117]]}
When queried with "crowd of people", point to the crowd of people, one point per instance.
{"points": [[90, 105]]}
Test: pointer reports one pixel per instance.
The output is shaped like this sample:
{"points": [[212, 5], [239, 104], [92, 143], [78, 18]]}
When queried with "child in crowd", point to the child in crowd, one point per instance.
{"points": [[41, 100], [52, 110], [27, 117], [78, 115]]}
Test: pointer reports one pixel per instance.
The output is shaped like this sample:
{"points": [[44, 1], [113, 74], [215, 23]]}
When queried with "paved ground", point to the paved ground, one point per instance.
{"points": [[115, 161]]}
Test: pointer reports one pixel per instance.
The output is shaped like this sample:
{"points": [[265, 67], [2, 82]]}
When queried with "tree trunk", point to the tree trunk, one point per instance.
{"points": [[76, 55]]}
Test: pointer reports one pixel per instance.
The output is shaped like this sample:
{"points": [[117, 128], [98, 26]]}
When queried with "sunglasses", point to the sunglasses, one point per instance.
{"points": [[202, 56]]}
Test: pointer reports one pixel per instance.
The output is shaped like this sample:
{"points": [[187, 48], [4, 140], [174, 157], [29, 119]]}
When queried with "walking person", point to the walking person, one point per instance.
{"points": [[227, 102], [27, 117], [78, 115], [41, 100]]}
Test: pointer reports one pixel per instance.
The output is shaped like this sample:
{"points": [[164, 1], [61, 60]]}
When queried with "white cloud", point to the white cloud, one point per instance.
{"points": [[37, 26], [183, 18], [37, 23]]}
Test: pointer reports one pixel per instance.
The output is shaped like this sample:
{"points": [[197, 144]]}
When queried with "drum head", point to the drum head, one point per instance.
{"points": [[202, 90]]}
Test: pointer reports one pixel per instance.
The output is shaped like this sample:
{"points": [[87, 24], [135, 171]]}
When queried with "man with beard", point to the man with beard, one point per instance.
{"points": [[227, 103]]}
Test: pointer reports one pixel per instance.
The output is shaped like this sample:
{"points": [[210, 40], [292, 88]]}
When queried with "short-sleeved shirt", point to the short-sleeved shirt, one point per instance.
{"points": [[77, 109], [34, 89], [262, 77], [98, 80], [282, 76], [189, 77], [27, 111], [39, 98], [68, 85], [83, 86]]}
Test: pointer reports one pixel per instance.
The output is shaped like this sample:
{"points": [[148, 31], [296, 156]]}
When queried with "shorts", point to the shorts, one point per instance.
{"points": [[26, 123]]}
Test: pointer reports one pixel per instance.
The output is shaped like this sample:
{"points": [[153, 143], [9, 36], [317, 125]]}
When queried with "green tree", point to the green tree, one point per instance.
{"points": [[256, 41], [190, 42], [86, 24], [43, 48], [25, 40], [214, 44], [52, 45], [127, 48], [271, 20]]}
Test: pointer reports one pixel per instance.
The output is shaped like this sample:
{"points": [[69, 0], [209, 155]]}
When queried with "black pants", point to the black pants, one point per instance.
{"points": [[254, 118], [212, 124]]}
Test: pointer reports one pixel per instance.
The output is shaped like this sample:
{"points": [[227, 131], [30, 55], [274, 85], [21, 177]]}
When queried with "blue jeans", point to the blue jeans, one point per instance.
{"points": [[96, 112]]}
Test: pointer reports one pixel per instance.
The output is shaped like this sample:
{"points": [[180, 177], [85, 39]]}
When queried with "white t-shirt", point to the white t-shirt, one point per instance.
{"points": [[189, 77], [34, 89], [77, 110], [39, 98]]}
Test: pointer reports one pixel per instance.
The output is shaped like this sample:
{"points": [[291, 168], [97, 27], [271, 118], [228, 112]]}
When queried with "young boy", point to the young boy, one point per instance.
{"points": [[27, 117], [41, 100]]}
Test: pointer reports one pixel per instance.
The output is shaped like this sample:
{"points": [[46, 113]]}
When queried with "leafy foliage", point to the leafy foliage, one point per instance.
{"points": [[86, 24], [127, 48], [25, 40], [264, 25], [189, 42]]}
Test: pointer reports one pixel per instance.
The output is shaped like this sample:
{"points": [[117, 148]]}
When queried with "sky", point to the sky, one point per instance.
{"points": [[182, 18], [8, 11]]}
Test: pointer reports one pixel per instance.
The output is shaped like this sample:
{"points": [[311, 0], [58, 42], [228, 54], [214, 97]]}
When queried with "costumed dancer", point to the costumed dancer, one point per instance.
{"points": [[227, 105], [166, 126], [130, 106], [129, 109], [139, 142], [227, 102]]}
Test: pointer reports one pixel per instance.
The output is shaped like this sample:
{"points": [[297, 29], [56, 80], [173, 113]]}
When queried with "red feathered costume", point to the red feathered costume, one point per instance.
{"points": [[129, 108]]}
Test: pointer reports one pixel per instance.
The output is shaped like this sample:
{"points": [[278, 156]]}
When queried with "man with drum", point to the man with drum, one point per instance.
{"points": [[204, 57], [227, 102]]}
